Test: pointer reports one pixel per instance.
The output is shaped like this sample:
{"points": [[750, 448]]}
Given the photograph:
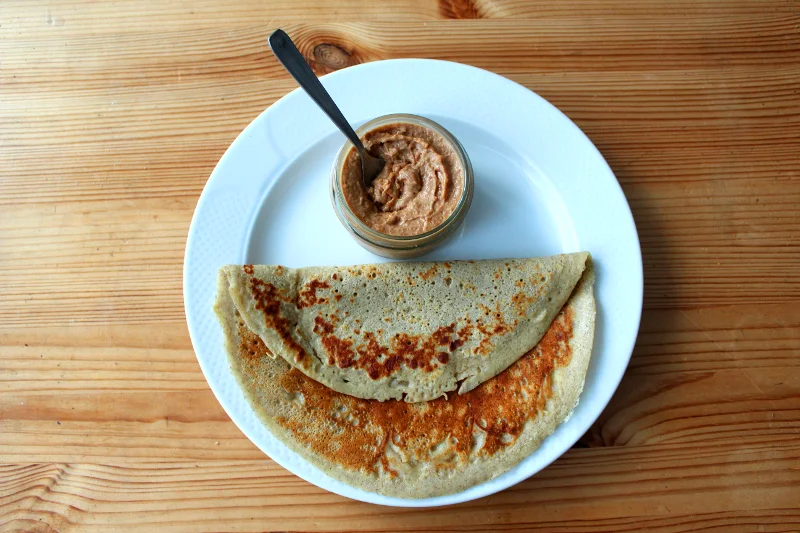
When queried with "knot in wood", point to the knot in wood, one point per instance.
{"points": [[331, 56]]}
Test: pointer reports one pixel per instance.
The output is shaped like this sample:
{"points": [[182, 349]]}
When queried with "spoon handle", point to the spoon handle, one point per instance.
{"points": [[291, 58]]}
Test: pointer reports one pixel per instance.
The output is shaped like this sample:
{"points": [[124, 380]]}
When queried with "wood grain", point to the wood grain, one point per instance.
{"points": [[579, 493], [112, 115]]}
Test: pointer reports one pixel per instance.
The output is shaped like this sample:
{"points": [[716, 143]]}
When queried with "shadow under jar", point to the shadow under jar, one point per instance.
{"points": [[420, 197]]}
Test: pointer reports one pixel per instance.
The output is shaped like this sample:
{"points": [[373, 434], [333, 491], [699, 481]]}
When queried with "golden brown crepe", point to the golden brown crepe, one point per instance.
{"points": [[418, 450], [413, 331]]}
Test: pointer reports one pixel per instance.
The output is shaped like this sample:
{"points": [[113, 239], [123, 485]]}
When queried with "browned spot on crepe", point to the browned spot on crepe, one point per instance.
{"points": [[308, 294], [268, 300], [414, 351]]}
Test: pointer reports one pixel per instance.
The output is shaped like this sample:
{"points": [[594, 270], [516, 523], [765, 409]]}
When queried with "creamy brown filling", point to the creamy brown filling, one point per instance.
{"points": [[418, 188]]}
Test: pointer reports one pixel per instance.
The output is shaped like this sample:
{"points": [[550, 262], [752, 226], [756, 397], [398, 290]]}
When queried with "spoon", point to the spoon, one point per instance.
{"points": [[291, 58]]}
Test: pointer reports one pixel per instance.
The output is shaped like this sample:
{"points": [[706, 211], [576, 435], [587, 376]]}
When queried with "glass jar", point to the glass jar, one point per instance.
{"points": [[396, 246]]}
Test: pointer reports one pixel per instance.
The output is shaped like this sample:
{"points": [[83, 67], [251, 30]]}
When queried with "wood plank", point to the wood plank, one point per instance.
{"points": [[118, 261], [548, 45], [580, 492], [85, 17]]}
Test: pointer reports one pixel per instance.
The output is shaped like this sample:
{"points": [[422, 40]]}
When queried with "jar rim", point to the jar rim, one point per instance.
{"points": [[358, 225]]}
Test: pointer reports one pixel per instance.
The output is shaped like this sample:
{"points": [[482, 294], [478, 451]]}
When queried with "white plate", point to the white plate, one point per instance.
{"points": [[541, 188]]}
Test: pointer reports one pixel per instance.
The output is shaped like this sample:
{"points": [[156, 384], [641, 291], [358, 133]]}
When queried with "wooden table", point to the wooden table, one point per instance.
{"points": [[112, 116]]}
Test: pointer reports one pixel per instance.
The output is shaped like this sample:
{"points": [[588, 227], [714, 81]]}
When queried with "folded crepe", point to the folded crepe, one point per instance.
{"points": [[412, 331], [418, 450]]}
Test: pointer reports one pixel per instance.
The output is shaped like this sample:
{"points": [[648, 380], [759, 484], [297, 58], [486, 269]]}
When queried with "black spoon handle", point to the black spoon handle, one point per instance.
{"points": [[291, 58]]}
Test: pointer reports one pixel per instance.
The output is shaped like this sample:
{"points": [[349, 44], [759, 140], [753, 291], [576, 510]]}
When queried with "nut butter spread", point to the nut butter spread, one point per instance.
{"points": [[417, 190]]}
